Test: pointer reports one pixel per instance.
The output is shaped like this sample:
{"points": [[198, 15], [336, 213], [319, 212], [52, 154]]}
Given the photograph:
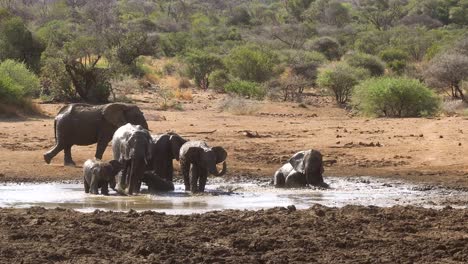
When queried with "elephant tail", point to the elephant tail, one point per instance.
{"points": [[55, 130]]}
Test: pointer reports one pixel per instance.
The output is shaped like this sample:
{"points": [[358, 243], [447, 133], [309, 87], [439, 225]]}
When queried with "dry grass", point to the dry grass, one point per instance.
{"points": [[183, 94], [151, 78], [184, 83], [451, 107], [27, 108], [239, 106]]}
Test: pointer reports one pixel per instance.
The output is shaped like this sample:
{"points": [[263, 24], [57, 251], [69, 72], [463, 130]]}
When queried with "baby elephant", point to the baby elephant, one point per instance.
{"points": [[98, 174], [304, 168]]}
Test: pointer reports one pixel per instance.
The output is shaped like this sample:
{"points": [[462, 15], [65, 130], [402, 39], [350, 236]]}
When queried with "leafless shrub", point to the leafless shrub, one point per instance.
{"points": [[239, 105]]}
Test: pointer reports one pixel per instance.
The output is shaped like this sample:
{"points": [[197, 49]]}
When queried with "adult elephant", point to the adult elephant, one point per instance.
{"points": [[304, 168], [164, 149], [83, 124], [197, 160], [131, 146]]}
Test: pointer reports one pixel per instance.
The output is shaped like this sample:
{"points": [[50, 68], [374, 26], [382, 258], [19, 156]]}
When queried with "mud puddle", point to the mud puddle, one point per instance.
{"points": [[222, 195]]}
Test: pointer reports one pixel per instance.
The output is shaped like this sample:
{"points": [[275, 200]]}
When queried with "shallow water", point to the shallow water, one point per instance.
{"points": [[220, 196]]}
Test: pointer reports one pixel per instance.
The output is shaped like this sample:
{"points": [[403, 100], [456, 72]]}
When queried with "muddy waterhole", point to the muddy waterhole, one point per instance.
{"points": [[230, 195]]}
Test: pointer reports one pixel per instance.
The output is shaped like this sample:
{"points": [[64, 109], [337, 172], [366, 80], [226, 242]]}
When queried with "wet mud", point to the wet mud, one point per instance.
{"points": [[223, 195], [351, 234]]}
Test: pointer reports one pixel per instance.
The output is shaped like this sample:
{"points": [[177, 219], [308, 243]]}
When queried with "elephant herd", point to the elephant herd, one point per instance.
{"points": [[139, 157]]}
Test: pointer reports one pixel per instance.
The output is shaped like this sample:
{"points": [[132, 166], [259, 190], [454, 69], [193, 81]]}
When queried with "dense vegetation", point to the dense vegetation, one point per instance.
{"points": [[276, 48]]}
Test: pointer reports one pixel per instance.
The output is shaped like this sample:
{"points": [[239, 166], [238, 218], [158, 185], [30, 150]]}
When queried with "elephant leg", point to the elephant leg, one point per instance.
{"points": [[185, 170], [203, 173], [68, 161], [104, 188], [194, 175], [49, 155], [278, 179], [295, 179], [94, 185], [170, 171], [86, 186], [101, 147]]}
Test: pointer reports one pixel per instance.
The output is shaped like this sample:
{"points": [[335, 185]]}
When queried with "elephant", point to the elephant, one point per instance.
{"points": [[164, 149], [304, 168], [83, 124], [156, 183], [131, 146], [197, 159], [98, 174]]}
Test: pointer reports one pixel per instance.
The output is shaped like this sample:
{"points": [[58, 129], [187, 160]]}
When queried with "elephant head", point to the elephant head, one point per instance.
{"points": [[109, 171], [310, 164], [176, 143], [208, 158], [119, 114]]}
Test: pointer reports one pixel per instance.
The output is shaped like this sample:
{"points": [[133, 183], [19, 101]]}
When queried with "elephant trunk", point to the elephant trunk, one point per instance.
{"points": [[217, 173], [314, 177]]}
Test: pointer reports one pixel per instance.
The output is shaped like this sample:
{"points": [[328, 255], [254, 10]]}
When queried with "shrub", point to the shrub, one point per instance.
{"points": [[218, 79], [239, 106], [55, 81], [396, 59], [169, 68], [372, 63], [183, 94], [184, 83], [303, 63], [20, 76], [340, 78], [245, 88], [200, 65], [395, 97], [328, 46], [252, 63], [449, 70]]}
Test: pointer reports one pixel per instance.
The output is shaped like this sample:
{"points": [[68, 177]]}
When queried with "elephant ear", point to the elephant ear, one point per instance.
{"points": [[297, 161], [193, 154], [114, 114], [176, 142], [221, 154]]}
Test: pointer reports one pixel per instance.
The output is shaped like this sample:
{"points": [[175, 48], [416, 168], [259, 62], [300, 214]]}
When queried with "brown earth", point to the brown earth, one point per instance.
{"points": [[352, 234], [430, 151]]}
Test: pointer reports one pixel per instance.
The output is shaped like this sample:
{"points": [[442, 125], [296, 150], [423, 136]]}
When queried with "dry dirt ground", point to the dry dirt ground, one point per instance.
{"points": [[431, 151]]}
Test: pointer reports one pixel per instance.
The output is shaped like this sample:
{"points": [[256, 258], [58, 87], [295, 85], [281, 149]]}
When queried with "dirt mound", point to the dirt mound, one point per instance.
{"points": [[352, 234]]}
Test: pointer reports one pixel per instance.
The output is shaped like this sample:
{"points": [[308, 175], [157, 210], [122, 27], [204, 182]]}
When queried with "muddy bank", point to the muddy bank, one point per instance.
{"points": [[352, 234]]}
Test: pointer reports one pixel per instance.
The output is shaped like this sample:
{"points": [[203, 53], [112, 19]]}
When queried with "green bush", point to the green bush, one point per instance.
{"points": [[252, 63], [328, 46], [340, 79], [245, 88], [200, 64], [395, 97], [372, 63], [218, 79], [396, 59], [303, 63], [16, 83]]}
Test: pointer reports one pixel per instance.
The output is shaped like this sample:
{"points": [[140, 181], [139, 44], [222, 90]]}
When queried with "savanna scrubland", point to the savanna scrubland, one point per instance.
{"points": [[379, 87]]}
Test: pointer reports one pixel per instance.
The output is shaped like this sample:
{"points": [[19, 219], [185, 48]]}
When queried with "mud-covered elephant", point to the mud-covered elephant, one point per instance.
{"points": [[83, 124], [100, 175], [131, 146], [197, 160], [304, 168], [164, 149], [156, 183]]}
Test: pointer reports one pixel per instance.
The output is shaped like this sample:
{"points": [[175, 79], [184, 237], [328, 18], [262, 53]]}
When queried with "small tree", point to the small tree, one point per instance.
{"points": [[447, 72], [395, 97], [252, 63], [396, 59], [81, 63], [200, 65], [340, 79], [328, 46], [372, 63]]}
